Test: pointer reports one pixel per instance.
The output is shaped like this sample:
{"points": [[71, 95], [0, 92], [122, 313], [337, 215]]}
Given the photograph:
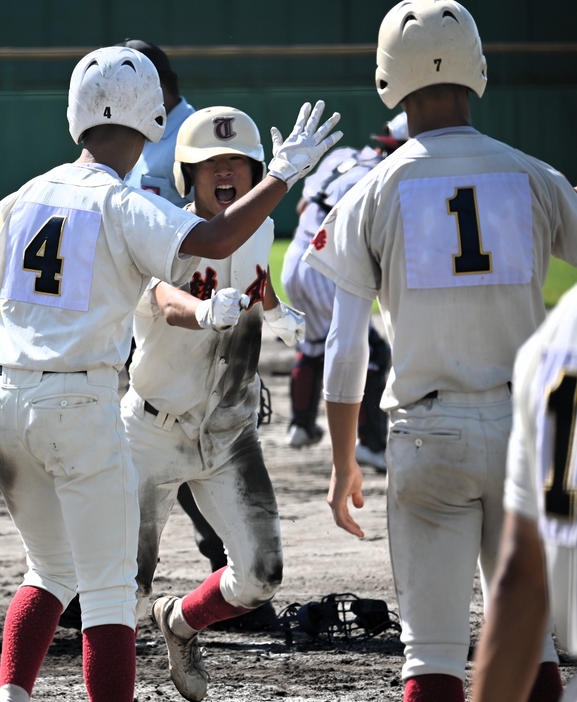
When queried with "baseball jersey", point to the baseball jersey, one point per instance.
{"points": [[206, 378], [453, 234], [542, 461], [80, 248], [154, 169], [335, 175]]}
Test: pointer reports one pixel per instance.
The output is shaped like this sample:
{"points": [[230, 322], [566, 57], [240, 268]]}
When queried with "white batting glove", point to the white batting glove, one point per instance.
{"points": [[287, 323], [300, 152], [221, 312]]}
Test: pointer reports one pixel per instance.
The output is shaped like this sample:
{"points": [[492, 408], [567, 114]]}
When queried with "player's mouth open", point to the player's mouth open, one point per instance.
{"points": [[225, 193]]}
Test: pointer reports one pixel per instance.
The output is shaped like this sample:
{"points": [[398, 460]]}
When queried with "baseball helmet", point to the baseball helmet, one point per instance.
{"points": [[116, 85], [212, 132], [428, 42]]}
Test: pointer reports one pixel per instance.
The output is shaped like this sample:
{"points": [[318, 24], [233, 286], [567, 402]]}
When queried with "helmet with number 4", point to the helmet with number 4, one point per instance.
{"points": [[116, 85], [212, 132], [428, 42]]}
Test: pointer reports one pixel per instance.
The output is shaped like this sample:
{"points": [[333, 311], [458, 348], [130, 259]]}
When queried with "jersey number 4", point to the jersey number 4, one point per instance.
{"points": [[42, 255], [471, 258], [562, 405]]}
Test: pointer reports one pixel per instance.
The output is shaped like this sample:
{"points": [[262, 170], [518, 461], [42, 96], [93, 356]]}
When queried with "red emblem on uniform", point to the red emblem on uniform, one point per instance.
{"points": [[202, 287], [223, 128], [320, 239], [256, 289]]}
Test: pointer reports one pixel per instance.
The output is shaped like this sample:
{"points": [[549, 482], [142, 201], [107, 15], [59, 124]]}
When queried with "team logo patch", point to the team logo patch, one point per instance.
{"points": [[223, 128], [320, 239], [202, 287], [256, 289]]}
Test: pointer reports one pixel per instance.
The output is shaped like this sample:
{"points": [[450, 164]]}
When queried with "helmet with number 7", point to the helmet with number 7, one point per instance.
{"points": [[116, 85], [214, 131], [428, 42]]}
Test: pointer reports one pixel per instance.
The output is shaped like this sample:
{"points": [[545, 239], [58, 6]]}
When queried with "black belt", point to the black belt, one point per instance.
{"points": [[150, 409], [435, 393]]}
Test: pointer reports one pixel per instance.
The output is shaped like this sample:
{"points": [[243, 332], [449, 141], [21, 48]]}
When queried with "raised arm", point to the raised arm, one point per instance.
{"points": [[292, 159]]}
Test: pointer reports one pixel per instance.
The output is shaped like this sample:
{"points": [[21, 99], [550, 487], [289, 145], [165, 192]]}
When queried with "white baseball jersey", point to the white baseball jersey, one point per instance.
{"points": [[542, 461], [453, 221], [207, 378], [307, 289], [80, 249]]}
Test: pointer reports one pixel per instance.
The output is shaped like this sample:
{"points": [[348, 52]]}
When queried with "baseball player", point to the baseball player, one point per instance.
{"points": [[191, 410], [453, 234], [314, 293], [153, 170], [540, 521], [78, 249]]}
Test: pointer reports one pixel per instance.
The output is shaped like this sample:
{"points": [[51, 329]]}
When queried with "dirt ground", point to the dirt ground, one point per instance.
{"points": [[319, 559]]}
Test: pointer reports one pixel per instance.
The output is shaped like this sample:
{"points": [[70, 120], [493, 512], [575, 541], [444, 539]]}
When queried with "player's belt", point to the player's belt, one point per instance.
{"points": [[435, 393], [150, 409]]}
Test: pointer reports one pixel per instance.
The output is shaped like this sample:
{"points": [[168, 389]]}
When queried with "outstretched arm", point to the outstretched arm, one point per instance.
{"points": [[293, 159]]}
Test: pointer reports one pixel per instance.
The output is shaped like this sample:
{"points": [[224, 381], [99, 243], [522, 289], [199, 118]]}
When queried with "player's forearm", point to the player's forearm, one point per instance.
{"points": [[342, 420], [223, 234], [177, 306], [508, 653]]}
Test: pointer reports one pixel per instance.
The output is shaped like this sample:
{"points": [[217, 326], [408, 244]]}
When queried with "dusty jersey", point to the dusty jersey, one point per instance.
{"points": [[453, 233], [542, 462], [207, 378], [79, 250]]}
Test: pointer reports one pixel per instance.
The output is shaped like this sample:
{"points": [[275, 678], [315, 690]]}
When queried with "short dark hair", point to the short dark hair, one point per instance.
{"points": [[160, 60]]}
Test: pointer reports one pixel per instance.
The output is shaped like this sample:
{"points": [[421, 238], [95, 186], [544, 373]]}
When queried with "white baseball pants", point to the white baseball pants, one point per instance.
{"points": [[71, 488], [446, 459]]}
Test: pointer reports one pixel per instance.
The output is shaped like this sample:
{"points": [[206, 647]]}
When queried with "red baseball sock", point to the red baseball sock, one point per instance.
{"points": [[109, 661], [31, 621], [548, 686], [434, 687], [206, 605]]}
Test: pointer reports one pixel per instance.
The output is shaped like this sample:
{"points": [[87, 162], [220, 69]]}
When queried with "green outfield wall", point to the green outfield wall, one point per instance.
{"points": [[267, 57]]}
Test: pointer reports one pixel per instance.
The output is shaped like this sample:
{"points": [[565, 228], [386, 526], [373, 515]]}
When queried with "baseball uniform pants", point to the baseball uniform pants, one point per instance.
{"points": [[234, 494], [71, 488], [446, 458]]}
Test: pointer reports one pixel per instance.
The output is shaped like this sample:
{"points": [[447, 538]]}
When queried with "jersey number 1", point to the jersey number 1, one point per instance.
{"points": [[42, 255], [471, 258], [561, 403]]}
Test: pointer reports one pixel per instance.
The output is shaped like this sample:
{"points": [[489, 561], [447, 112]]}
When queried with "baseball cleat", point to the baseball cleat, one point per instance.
{"points": [[184, 655], [365, 456], [299, 436]]}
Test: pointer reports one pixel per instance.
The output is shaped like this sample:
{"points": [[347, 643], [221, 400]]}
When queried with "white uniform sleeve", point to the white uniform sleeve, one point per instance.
{"points": [[520, 484], [564, 244], [341, 249], [347, 349], [157, 227]]}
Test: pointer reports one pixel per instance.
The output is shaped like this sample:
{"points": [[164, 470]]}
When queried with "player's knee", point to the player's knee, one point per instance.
{"points": [[262, 583]]}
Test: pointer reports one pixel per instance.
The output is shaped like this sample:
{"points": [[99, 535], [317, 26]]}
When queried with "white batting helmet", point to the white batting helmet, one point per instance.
{"points": [[427, 42], [116, 85], [212, 132]]}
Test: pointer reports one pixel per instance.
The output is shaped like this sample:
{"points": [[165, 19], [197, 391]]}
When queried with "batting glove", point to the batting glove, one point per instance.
{"points": [[221, 312], [287, 323], [300, 153]]}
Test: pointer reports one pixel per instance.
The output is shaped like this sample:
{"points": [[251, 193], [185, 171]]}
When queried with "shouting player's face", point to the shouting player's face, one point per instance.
{"points": [[220, 181]]}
